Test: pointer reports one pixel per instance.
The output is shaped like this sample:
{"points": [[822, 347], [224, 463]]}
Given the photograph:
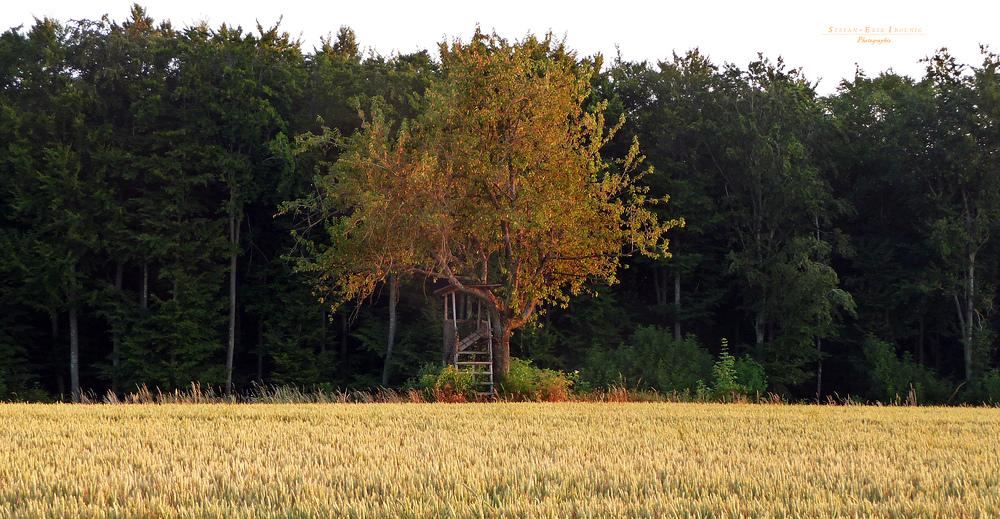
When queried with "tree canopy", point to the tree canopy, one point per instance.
{"points": [[838, 245], [500, 181]]}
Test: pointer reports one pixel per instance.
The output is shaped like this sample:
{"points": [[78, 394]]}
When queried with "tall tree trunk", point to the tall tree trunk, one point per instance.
{"points": [[260, 352], [677, 306], [172, 359], [74, 356], [393, 299], [819, 340], [234, 240], [759, 328], [322, 333], [116, 334], [144, 296], [660, 285], [970, 297], [74, 340], [965, 313], [920, 343], [56, 348], [819, 369], [344, 330], [501, 352]]}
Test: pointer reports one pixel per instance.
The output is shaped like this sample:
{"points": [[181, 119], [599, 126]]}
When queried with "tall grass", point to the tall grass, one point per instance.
{"points": [[258, 394]]}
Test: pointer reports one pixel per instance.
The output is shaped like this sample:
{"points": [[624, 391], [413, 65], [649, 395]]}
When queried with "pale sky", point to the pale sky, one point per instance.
{"points": [[728, 31]]}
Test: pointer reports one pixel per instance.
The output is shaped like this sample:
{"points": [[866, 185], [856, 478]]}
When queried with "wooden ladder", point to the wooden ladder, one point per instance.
{"points": [[474, 354]]}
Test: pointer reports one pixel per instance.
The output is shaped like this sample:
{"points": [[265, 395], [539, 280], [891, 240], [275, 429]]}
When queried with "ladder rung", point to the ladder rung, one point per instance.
{"points": [[473, 363]]}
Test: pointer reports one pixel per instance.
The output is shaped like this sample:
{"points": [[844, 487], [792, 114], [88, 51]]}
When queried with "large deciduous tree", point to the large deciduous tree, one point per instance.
{"points": [[770, 157], [54, 187], [965, 189], [500, 181]]}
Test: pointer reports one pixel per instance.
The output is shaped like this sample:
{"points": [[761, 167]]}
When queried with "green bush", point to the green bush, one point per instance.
{"points": [[651, 359], [726, 388], [894, 378], [444, 384], [418, 381], [733, 379], [985, 391], [526, 382], [750, 374]]}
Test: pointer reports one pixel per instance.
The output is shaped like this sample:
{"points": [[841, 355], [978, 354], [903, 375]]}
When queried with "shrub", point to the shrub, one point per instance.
{"points": [[733, 379], [526, 382], [726, 387], [35, 393], [750, 374], [894, 379], [419, 381], [444, 384], [985, 391], [651, 359]]}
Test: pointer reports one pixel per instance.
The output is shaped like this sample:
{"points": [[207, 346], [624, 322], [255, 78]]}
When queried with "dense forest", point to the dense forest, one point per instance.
{"points": [[836, 245]]}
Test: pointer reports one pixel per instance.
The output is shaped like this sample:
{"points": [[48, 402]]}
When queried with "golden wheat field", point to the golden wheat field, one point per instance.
{"points": [[497, 460]]}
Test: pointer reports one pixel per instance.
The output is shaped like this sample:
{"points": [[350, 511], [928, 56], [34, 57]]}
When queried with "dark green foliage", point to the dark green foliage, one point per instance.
{"points": [[118, 209], [424, 378], [985, 391], [141, 167], [527, 383], [734, 379], [893, 378], [725, 386], [541, 343], [417, 339], [751, 375], [439, 383], [650, 359], [562, 337], [16, 334]]}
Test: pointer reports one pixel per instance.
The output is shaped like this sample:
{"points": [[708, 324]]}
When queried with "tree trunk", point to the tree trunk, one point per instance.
{"points": [[449, 348], [116, 334], [144, 297], [322, 333], [759, 328], [393, 299], [74, 355], [920, 343], [819, 340], [501, 353], [819, 369], [234, 240], [60, 376], [344, 330], [260, 351], [965, 314], [677, 306], [970, 295], [660, 286], [74, 340]]}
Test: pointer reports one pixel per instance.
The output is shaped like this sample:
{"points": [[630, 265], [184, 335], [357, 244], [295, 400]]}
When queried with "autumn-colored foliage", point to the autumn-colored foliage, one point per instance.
{"points": [[499, 181]]}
